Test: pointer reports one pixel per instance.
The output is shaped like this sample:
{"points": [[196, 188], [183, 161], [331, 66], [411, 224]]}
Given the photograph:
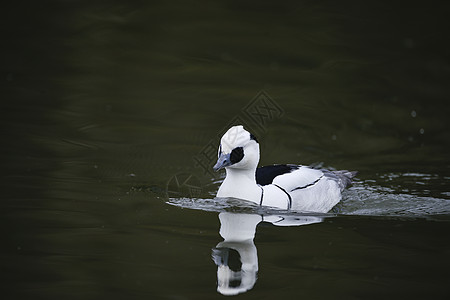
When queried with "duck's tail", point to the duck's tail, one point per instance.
{"points": [[342, 177]]}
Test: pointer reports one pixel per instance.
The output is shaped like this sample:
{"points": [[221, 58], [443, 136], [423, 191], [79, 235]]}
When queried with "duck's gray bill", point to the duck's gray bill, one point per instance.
{"points": [[222, 162]]}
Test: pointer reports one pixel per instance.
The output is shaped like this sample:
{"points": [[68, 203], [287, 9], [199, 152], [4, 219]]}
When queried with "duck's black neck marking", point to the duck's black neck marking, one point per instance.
{"points": [[236, 155], [262, 196], [287, 194]]}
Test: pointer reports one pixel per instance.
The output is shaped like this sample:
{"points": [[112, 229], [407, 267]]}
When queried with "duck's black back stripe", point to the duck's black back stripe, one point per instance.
{"points": [[287, 194], [262, 196], [308, 185], [252, 137], [265, 175]]}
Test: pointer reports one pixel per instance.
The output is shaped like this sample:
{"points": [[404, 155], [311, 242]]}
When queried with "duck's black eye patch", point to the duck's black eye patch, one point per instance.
{"points": [[252, 137], [236, 155]]}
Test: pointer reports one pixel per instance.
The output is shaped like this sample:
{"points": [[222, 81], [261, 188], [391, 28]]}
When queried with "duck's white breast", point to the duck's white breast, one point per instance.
{"points": [[275, 197]]}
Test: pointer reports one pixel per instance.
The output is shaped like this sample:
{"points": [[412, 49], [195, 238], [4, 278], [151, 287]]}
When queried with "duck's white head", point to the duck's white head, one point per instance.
{"points": [[238, 149]]}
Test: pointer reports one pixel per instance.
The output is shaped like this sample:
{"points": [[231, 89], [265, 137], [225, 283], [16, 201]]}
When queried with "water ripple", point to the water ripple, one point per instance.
{"points": [[389, 195]]}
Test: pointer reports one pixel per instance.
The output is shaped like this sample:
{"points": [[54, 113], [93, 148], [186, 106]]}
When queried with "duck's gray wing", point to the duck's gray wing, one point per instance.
{"points": [[342, 177]]}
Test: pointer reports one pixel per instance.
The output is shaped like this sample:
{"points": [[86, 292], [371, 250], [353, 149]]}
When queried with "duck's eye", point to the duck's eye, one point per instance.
{"points": [[237, 155]]}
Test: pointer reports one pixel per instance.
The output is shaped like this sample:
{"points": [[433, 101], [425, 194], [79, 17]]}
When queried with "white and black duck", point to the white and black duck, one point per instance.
{"points": [[295, 187]]}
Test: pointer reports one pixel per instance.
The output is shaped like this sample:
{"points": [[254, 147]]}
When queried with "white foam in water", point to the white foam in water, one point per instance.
{"points": [[407, 194], [367, 201]]}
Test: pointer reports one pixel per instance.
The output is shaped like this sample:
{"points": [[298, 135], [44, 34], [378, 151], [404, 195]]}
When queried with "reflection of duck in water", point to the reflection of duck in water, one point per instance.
{"points": [[294, 187], [236, 256]]}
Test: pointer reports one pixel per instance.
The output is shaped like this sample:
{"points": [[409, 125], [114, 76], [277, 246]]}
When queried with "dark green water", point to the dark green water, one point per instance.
{"points": [[105, 105]]}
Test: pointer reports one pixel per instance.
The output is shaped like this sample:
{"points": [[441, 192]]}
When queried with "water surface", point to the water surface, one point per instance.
{"points": [[106, 105]]}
